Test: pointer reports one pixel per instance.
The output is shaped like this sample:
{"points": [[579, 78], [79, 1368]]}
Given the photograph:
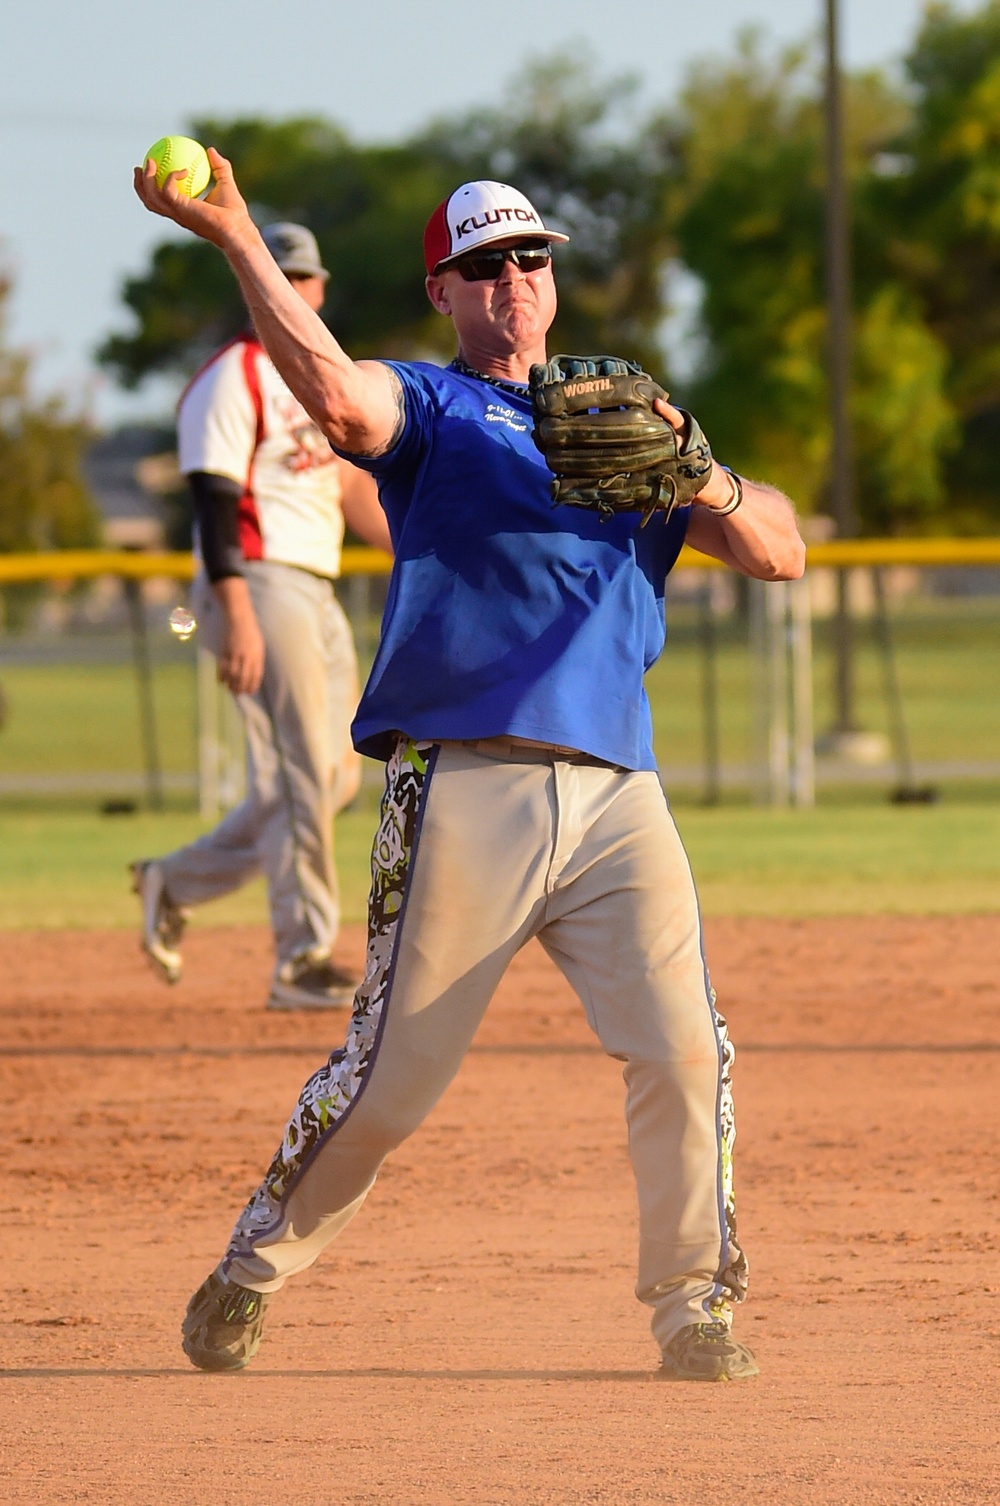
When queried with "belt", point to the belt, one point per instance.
{"points": [[522, 750]]}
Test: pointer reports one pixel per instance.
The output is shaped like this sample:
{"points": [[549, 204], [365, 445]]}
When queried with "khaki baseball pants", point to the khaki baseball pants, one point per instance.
{"points": [[480, 847], [301, 768]]}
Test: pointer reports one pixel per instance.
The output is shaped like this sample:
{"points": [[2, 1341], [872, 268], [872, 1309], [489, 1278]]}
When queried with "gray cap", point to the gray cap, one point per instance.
{"points": [[294, 248]]}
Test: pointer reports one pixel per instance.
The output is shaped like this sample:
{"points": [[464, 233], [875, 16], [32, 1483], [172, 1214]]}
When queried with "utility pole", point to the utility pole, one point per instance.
{"points": [[838, 297]]}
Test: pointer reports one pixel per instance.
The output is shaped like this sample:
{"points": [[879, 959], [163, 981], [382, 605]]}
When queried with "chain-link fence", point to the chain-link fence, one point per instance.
{"points": [[744, 698], [101, 703]]}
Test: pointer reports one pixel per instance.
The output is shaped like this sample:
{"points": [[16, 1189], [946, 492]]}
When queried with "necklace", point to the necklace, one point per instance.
{"points": [[464, 369]]}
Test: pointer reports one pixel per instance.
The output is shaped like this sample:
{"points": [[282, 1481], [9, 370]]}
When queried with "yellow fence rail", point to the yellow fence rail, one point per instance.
{"points": [[782, 768], [839, 554], [140, 565], [86, 564], [846, 554]]}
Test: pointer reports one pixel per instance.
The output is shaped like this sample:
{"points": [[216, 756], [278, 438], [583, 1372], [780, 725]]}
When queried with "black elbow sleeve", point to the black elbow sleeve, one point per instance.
{"points": [[216, 508]]}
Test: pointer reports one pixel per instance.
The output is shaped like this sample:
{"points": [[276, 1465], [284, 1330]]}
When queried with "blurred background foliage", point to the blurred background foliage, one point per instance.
{"points": [[697, 248], [44, 500]]}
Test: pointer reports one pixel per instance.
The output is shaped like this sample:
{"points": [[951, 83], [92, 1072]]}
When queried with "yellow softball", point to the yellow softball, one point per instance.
{"points": [[174, 154]]}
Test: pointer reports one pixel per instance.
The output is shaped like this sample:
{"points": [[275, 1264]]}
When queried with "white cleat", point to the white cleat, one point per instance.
{"points": [[162, 922]]}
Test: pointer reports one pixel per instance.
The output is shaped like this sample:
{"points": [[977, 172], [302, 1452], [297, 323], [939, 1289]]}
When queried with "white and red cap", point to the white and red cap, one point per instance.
{"points": [[477, 214]]}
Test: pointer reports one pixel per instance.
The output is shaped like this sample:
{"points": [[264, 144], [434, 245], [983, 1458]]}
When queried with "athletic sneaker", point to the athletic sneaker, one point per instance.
{"points": [[312, 981], [707, 1352], [223, 1325], [162, 922]]}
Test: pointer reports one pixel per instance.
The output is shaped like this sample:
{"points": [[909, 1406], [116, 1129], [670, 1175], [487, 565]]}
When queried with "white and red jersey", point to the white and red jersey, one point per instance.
{"points": [[237, 418]]}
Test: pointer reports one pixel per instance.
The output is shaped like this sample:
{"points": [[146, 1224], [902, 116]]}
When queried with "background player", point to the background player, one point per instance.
{"points": [[522, 797], [270, 498]]}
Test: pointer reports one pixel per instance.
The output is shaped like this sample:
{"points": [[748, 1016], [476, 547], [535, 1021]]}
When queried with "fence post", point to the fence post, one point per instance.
{"points": [[770, 693], [781, 666], [803, 747], [779, 761], [760, 694], [907, 791], [144, 687], [208, 736], [710, 691]]}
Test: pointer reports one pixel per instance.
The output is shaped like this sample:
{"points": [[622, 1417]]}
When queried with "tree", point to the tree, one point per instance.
{"points": [[367, 206], [728, 183], [942, 212], [750, 227], [559, 135], [44, 501]]}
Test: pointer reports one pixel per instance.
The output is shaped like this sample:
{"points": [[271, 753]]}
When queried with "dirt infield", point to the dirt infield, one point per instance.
{"points": [[473, 1337]]}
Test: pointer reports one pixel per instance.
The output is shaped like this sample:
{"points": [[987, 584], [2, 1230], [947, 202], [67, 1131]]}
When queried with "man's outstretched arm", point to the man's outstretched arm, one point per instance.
{"points": [[358, 405]]}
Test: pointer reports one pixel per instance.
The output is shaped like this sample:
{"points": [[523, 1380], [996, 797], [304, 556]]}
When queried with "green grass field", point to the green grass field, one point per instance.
{"points": [[65, 719], [83, 717], [62, 863], [948, 657], [68, 868]]}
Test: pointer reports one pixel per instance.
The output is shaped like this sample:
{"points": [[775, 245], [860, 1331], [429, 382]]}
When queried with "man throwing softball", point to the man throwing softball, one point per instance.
{"points": [[522, 797]]}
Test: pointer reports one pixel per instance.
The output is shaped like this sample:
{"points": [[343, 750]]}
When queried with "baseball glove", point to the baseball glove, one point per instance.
{"points": [[607, 448]]}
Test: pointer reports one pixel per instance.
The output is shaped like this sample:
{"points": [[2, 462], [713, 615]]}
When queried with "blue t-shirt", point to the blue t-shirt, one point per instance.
{"points": [[506, 615]]}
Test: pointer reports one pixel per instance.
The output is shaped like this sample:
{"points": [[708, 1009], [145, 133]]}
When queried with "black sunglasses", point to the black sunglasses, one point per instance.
{"points": [[487, 266]]}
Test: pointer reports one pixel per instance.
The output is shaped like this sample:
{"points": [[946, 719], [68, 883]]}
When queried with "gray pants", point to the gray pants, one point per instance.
{"points": [[479, 848], [301, 768]]}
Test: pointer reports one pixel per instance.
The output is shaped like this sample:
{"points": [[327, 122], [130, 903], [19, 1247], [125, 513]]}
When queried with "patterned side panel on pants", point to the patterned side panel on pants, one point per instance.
{"points": [[330, 1093], [734, 1274]]}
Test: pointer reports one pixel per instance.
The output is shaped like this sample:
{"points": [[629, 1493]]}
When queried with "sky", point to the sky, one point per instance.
{"points": [[87, 88]]}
